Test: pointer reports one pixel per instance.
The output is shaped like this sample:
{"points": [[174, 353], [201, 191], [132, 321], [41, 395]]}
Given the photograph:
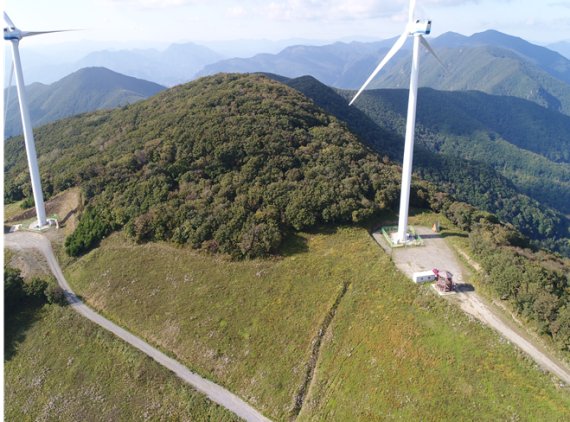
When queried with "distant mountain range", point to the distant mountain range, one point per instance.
{"points": [[490, 61], [176, 64], [562, 47], [86, 90]]}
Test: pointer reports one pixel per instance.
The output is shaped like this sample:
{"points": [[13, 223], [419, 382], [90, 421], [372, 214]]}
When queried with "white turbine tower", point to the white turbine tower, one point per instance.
{"points": [[416, 29], [14, 35]]}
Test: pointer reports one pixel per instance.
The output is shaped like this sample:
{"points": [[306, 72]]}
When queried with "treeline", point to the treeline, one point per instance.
{"points": [[536, 283], [19, 294]]}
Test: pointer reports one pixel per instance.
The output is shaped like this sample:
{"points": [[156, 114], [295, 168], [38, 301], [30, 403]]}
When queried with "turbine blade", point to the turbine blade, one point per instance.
{"points": [[395, 48], [428, 48], [8, 21], [32, 33], [411, 11]]}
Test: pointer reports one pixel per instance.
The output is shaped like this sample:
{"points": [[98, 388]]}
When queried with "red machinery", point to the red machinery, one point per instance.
{"points": [[444, 281]]}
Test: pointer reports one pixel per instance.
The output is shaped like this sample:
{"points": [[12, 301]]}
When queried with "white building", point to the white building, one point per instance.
{"points": [[423, 276]]}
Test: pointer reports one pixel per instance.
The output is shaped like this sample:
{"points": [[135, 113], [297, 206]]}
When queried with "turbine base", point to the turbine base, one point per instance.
{"points": [[390, 233]]}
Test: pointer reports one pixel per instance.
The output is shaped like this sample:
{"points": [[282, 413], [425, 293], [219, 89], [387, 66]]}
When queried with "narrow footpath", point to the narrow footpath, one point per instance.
{"points": [[216, 393]]}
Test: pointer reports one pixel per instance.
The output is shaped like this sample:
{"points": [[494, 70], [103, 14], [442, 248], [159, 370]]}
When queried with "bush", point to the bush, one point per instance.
{"points": [[55, 295], [35, 289], [14, 293]]}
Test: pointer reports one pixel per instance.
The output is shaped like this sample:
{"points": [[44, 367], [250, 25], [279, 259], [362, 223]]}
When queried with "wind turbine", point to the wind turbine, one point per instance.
{"points": [[415, 28], [14, 35]]}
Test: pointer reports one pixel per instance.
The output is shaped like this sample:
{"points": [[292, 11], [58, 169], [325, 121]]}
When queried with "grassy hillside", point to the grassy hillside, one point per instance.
{"points": [[63, 367], [392, 347], [88, 89]]}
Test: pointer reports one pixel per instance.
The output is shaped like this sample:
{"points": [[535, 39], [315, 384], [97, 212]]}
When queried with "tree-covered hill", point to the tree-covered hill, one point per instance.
{"points": [[228, 163], [88, 89], [527, 144], [465, 156], [486, 68], [234, 163]]}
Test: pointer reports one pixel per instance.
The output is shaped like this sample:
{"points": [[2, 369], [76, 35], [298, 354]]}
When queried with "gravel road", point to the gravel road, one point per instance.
{"points": [[437, 254], [216, 393]]}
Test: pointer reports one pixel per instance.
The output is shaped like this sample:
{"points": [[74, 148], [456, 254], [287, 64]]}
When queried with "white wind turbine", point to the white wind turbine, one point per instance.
{"points": [[14, 35], [416, 29]]}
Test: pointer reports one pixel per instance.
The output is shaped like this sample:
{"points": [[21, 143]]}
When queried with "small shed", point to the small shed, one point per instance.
{"points": [[423, 276]]}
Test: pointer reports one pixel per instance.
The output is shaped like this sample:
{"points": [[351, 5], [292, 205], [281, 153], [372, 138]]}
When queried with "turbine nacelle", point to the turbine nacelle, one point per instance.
{"points": [[11, 34], [421, 27]]}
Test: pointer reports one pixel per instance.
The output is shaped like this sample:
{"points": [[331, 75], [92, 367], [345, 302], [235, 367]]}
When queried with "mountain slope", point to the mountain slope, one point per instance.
{"points": [[491, 62], [562, 47], [485, 68], [548, 60], [86, 90], [465, 167], [339, 64], [227, 163], [177, 64], [524, 142]]}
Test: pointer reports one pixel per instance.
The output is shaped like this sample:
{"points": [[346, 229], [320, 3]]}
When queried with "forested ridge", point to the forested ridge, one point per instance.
{"points": [[228, 163], [463, 157], [233, 163]]}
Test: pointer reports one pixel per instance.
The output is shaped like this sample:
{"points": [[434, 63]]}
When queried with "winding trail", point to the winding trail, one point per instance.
{"points": [[216, 393], [437, 254]]}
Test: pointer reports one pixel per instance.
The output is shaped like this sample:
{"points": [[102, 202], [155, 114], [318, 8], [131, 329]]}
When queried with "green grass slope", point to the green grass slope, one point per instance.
{"points": [[393, 348], [65, 368]]}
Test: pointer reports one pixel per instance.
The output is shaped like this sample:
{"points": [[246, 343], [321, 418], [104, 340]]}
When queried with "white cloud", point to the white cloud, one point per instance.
{"points": [[153, 4], [285, 10], [237, 12]]}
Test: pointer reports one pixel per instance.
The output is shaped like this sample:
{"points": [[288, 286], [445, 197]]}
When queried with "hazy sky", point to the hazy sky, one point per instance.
{"points": [[540, 21]]}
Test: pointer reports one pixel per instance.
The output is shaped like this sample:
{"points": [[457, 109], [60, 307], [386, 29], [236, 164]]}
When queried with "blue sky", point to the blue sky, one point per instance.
{"points": [[542, 21]]}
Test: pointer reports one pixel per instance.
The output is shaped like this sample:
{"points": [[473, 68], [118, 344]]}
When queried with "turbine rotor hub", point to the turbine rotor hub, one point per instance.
{"points": [[420, 26]]}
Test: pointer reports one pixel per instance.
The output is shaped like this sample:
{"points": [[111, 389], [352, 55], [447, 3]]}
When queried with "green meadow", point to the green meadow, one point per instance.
{"points": [[392, 351]]}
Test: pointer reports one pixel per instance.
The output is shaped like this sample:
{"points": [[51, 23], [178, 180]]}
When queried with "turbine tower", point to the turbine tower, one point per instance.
{"points": [[14, 35], [416, 29]]}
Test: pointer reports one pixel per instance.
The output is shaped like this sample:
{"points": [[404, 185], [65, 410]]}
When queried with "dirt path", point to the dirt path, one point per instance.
{"points": [[216, 393], [437, 254]]}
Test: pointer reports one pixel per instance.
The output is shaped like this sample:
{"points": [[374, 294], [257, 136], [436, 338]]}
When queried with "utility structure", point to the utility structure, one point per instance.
{"points": [[416, 29], [14, 35]]}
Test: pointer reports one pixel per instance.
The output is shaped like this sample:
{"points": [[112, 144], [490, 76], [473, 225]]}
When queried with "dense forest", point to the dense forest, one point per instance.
{"points": [[228, 163]]}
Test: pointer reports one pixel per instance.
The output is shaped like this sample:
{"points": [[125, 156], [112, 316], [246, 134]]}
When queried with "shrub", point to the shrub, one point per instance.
{"points": [[55, 295]]}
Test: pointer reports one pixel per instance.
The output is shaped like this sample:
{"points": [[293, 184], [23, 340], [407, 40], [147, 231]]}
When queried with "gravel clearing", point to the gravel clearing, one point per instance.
{"points": [[437, 254]]}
